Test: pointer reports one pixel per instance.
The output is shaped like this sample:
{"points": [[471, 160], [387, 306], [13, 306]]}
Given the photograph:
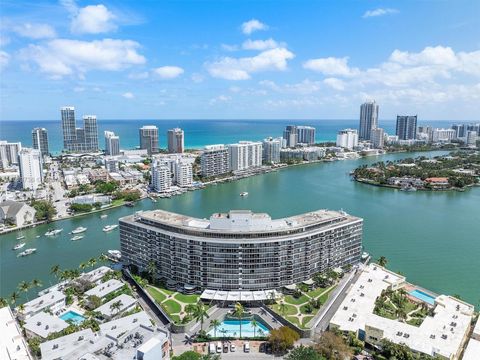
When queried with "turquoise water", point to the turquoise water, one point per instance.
{"points": [[430, 237], [231, 328], [423, 296], [72, 315]]}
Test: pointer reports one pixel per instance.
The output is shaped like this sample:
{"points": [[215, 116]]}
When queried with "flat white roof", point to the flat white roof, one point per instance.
{"points": [[59, 348], [43, 302], [472, 352], [126, 300], [235, 296], [151, 343], [44, 324], [103, 289], [96, 274], [12, 343], [476, 330], [116, 327]]}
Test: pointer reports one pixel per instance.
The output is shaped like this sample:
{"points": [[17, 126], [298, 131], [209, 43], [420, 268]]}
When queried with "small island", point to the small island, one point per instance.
{"points": [[455, 171]]}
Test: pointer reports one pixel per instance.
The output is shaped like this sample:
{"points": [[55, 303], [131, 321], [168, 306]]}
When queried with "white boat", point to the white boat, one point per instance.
{"points": [[109, 228], [27, 252], [53, 232], [79, 230], [103, 216], [114, 255], [77, 237], [18, 246], [20, 237], [244, 193], [37, 236]]}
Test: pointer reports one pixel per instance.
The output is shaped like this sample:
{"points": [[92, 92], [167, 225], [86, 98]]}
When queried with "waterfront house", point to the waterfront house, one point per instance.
{"points": [[43, 324], [108, 312], [51, 302], [16, 213], [12, 343], [438, 182]]}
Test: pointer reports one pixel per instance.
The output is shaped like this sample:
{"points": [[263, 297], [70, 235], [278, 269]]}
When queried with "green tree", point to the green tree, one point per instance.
{"points": [[116, 306], [239, 312], [152, 270], [14, 297], [382, 261], [36, 283], [215, 323], [200, 313], [282, 339], [333, 347], [304, 353], [3, 302], [24, 287], [44, 210], [254, 324], [92, 262], [55, 271]]}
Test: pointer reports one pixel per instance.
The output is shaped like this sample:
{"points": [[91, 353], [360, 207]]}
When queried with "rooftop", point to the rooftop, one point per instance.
{"points": [[116, 327], [126, 300], [12, 343], [96, 274], [472, 350], [43, 302], [103, 289], [44, 324], [61, 347]]}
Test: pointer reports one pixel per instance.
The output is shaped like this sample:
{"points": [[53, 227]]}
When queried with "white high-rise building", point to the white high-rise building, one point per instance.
{"points": [[40, 140], [30, 165], [183, 174], [271, 150], [368, 119], [471, 138], [9, 154], [149, 139], [161, 177], [377, 138], [214, 160], [175, 140], [112, 143], [443, 135], [306, 135], [347, 138], [245, 155]]}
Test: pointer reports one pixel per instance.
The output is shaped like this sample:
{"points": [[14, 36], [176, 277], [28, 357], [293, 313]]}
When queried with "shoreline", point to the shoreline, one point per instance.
{"points": [[367, 182]]}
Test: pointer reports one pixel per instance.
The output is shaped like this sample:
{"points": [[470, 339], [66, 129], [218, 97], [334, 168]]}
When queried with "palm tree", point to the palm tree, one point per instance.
{"points": [[83, 266], [103, 258], [116, 306], [254, 325], [200, 313], [238, 312], [152, 270], [382, 261], [24, 286], [14, 297], [3, 302], [36, 283], [21, 308], [282, 307], [55, 270], [92, 262], [215, 323]]}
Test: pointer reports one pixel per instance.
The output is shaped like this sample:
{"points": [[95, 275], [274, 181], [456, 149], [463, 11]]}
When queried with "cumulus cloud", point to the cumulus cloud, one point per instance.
{"points": [[93, 19], [4, 59], [330, 66], [220, 99], [230, 68], [379, 12], [253, 25], [259, 44], [128, 95], [35, 31], [168, 72], [62, 57]]}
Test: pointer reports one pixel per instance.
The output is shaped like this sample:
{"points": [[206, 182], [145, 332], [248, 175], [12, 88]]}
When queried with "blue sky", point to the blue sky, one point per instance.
{"points": [[240, 59]]}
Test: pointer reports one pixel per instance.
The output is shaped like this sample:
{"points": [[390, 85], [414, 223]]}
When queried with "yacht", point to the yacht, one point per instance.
{"points": [[79, 230], [20, 237], [109, 228], [53, 232], [244, 193], [18, 246], [103, 216], [27, 252], [114, 255], [77, 237]]}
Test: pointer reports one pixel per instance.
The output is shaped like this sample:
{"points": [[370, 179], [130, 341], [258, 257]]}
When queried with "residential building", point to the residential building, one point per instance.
{"points": [[474, 127], [112, 165], [306, 135], [271, 150], [214, 160], [12, 343], [239, 250], [68, 127], [91, 132], [471, 138], [31, 169], [347, 138], [43, 324], [112, 143], [290, 134], [301, 154], [175, 139], [40, 140], [368, 119], [245, 155], [377, 138], [17, 213], [9, 154], [149, 139], [161, 178], [103, 289], [79, 139], [51, 302], [183, 174], [442, 135], [406, 127], [126, 302], [460, 130]]}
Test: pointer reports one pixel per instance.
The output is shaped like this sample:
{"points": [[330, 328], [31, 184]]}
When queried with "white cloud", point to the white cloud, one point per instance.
{"points": [[62, 57], [228, 47], [253, 25], [220, 99], [334, 83], [197, 78], [93, 19], [168, 72], [259, 44], [379, 12], [241, 68], [35, 31], [128, 95], [330, 66], [4, 59]]}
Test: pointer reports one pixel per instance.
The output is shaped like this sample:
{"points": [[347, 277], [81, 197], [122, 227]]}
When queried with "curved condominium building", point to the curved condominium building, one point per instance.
{"points": [[240, 250]]}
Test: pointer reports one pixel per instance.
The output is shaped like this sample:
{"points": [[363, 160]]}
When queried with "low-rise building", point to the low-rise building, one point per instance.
{"points": [[63, 347], [94, 276], [126, 302], [103, 289], [405, 181], [98, 175], [43, 324], [52, 301], [12, 344], [438, 182], [17, 213], [92, 199]]}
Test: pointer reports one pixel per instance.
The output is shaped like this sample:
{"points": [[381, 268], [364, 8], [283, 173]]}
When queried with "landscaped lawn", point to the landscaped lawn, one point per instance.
{"points": [[176, 319], [304, 312], [293, 320], [291, 300], [289, 309], [305, 320], [314, 293], [171, 306], [157, 295], [325, 296], [187, 299]]}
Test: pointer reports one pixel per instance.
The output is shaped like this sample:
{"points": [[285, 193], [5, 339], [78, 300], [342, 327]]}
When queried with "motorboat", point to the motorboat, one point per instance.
{"points": [[53, 232], [20, 237], [27, 252], [103, 216], [114, 255], [77, 237], [109, 228], [18, 246], [79, 230], [244, 193]]}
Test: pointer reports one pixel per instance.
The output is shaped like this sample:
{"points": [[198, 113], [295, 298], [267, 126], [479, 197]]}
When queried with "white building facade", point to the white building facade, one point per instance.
{"points": [[214, 160], [245, 155], [31, 170], [347, 138]]}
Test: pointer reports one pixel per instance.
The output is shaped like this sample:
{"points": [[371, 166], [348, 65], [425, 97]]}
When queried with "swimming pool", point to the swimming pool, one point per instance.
{"points": [[231, 328], [73, 316], [429, 299]]}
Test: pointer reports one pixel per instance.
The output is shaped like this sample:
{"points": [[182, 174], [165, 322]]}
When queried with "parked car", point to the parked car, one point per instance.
{"points": [[261, 348], [225, 347], [268, 348], [246, 347], [233, 348], [219, 347], [211, 348]]}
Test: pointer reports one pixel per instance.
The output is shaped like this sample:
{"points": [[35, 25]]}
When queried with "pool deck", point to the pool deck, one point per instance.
{"points": [[411, 287]]}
